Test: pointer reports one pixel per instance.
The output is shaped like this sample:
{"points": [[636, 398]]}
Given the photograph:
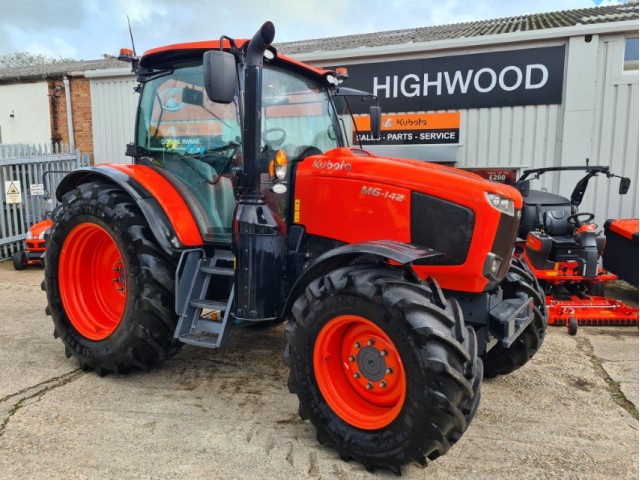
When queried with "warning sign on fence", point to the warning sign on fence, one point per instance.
{"points": [[13, 191]]}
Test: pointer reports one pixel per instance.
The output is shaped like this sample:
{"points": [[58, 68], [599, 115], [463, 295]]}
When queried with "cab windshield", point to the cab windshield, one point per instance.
{"points": [[197, 143]]}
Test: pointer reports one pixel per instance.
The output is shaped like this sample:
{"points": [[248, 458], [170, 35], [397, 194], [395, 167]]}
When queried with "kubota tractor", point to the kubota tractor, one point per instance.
{"points": [[245, 204]]}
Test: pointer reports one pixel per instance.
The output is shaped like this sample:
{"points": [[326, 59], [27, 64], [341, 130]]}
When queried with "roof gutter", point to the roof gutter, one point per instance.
{"points": [[365, 52]]}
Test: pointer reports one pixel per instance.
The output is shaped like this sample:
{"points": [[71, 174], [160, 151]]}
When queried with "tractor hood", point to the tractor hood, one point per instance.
{"points": [[39, 228], [456, 185]]}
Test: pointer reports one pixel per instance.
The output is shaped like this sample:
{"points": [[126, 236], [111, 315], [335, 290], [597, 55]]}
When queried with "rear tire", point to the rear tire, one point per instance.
{"points": [[109, 286], [421, 350], [519, 282], [20, 261]]}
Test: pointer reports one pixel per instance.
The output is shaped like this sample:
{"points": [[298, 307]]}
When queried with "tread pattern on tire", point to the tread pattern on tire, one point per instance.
{"points": [[519, 281], [443, 370], [144, 337]]}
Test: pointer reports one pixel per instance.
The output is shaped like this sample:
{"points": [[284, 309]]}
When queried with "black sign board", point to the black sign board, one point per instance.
{"points": [[531, 76]]}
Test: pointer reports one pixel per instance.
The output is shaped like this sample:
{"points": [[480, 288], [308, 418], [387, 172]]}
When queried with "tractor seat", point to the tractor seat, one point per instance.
{"points": [[556, 224]]}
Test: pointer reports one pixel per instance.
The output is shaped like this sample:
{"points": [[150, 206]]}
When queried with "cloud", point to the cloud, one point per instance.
{"points": [[91, 28]]}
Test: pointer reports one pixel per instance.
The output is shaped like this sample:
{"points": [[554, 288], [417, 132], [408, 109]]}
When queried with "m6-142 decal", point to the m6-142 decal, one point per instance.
{"points": [[381, 193]]}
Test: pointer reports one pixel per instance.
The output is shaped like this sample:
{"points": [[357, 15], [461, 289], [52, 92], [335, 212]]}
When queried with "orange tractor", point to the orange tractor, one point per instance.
{"points": [[245, 204]]}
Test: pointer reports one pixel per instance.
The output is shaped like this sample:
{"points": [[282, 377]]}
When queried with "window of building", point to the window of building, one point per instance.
{"points": [[631, 54]]}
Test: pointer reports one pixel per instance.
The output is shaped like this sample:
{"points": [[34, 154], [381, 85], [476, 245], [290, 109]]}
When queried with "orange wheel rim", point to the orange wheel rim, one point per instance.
{"points": [[92, 281], [359, 372]]}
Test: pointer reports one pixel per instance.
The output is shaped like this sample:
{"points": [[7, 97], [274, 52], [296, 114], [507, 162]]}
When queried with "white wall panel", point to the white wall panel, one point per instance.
{"points": [[25, 114], [614, 141], [114, 104]]}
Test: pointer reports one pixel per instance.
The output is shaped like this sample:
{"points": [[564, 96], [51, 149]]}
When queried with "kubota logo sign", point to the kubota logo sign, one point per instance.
{"points": [[416, 128], [516, 77]]}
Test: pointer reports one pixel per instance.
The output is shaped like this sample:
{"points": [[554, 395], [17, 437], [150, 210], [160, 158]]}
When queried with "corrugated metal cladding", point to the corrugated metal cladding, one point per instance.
{"points": [[597, 119], [113, 104], [533, 136]]}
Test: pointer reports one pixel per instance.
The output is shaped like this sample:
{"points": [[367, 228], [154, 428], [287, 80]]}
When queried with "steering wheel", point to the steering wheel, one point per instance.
{"points": [[274, 137], [575, 218], [169, 101]]}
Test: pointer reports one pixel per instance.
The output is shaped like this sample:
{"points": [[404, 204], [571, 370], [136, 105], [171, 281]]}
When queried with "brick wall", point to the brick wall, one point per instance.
{"points": [[80, 109]]}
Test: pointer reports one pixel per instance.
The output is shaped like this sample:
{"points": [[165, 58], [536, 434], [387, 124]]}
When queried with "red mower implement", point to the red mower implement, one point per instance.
{"points": [[246, 204], [563, 249]]}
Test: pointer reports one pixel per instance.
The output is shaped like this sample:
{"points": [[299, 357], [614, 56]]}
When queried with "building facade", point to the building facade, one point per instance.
{"points": [[496, 96], [534, 91]]}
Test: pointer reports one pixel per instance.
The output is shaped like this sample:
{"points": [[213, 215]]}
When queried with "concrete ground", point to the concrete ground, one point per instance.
{"points": [[572, 412]]}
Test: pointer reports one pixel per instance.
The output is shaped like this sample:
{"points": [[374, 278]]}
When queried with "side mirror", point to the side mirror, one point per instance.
{"points": [[524, 187], [625, 183], [375, 117], [220, 77]]}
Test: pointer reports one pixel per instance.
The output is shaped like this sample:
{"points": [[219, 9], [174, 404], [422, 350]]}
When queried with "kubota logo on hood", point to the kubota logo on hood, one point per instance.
{"points": [[329, 165]]}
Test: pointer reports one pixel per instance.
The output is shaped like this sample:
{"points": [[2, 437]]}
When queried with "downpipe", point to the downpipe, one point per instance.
{"points": [[67, 95]]}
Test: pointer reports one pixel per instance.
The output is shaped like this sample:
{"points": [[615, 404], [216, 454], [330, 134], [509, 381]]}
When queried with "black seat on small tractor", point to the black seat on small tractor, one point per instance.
{"points": [[555, 223], [546, 211]]}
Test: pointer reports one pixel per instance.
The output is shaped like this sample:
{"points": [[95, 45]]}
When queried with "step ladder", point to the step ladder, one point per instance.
{"points": [[202, 322]]}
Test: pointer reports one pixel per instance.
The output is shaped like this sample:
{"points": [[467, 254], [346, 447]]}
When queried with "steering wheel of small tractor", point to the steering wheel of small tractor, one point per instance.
{"points": [[575, 218], [274, 137]]}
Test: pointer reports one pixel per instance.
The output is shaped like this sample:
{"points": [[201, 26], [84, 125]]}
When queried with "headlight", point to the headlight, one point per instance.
{"points": [[29, 235], [502, 204], [41, 236], [278, 166]]}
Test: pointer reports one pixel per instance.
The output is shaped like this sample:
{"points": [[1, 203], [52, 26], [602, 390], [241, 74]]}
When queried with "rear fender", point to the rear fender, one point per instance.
{"points": [[384, 250], [168, 215]]}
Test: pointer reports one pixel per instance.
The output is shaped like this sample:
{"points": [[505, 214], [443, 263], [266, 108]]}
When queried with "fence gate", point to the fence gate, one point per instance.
{"points": [[29, 176]]}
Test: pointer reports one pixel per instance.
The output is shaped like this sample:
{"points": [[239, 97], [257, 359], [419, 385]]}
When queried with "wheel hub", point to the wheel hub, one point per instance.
{"points": [[371, 364], [92, 281], [359, 372]]}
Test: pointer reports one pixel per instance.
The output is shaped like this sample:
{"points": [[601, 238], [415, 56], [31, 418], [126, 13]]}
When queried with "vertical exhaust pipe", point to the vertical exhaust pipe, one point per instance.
{"points": [[252, 134], [258, 233]]}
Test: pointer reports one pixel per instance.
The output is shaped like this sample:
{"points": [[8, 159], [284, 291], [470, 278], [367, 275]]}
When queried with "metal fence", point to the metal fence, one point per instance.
{"points": [[29, 176]]}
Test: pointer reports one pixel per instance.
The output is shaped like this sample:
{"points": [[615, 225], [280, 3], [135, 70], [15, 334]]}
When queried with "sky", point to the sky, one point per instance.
{"points": [[88, 29]]}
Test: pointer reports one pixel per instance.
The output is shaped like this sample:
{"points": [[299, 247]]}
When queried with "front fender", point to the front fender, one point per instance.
{"points": [[385, 250], [168, 215]]}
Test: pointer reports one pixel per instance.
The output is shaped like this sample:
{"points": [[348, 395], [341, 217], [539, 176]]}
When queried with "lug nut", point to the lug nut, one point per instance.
{"points": [[371, 342], [356, 375], [369, 386], [358, 345], [383, 353], [352, 358], [383, 384], [389, 370]]}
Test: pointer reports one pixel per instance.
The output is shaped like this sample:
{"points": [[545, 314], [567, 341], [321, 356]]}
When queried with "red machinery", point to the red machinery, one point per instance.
{"points": [[563, 249], [35, 246], [246, 204], [621, 256]]}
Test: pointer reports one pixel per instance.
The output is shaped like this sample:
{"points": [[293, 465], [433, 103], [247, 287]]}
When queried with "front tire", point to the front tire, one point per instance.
{"points": [[20, 261], [108, 284], [385, 374], [519, 282]]}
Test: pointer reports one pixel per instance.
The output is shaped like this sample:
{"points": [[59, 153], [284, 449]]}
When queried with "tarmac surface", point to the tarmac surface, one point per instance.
{"points": [[572, 412]]}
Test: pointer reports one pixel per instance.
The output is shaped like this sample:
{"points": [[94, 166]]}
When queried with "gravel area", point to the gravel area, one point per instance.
{"points": [[569, 413]]}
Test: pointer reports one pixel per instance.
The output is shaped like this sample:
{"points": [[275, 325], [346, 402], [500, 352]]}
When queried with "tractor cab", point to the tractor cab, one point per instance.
{"points": [[196, 143]]}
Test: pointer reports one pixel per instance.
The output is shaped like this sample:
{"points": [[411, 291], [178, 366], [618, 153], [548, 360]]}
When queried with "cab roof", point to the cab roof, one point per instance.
{"points": [[162, 57]]}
